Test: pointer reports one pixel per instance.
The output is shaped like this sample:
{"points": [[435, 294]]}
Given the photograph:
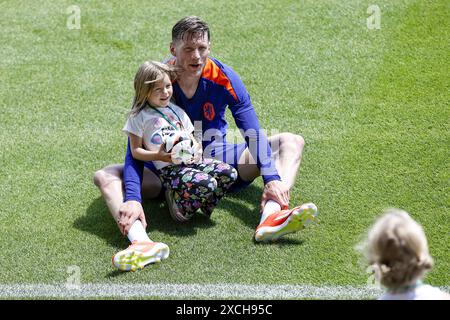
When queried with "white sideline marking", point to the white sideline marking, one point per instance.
{"points": [[190, 291]]}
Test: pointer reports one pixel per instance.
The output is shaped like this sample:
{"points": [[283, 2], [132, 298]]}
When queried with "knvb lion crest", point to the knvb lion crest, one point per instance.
{"points": [[208, 111]]}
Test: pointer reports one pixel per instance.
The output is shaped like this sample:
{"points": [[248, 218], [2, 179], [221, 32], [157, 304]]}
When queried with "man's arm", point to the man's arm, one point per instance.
{"points": [[259, 147], [257, 142], [247, 121]]}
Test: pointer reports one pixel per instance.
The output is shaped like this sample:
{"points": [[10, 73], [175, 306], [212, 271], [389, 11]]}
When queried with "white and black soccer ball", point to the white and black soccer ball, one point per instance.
{"points": [[178, 143], [182, 152]]}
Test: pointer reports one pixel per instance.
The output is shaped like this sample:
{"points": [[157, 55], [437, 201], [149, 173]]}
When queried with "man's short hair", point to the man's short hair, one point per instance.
{"points": [[190, 27]]}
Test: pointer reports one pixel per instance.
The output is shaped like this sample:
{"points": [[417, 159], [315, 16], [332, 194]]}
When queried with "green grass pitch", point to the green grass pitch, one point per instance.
{"points": [[372, 105]]}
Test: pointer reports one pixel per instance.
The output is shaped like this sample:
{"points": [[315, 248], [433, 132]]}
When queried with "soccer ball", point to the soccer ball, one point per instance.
{"points": [[183, 152], [178, 143]]}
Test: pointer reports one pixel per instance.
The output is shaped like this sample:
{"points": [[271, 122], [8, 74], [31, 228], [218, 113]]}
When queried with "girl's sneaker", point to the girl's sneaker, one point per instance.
{"points": [[139, 254], [283, 222], [175, 211], [207, 209]]}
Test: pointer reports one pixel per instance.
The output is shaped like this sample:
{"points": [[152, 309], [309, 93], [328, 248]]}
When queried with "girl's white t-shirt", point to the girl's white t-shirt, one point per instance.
{"points": [[149, 121], [423, 292]]}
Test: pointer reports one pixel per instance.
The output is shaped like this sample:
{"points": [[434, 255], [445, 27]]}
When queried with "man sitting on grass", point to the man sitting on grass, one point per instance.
{"points": [[204, 88]]}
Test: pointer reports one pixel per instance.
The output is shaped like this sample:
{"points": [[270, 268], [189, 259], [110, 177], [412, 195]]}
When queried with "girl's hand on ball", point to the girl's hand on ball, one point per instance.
{"points": [[163, 155]]}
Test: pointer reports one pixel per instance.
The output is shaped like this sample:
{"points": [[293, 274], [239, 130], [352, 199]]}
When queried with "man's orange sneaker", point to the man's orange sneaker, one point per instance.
{"points": [[283, 222]]}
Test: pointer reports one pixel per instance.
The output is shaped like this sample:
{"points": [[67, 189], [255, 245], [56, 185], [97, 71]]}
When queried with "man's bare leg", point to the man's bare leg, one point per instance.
{"points": [[287, 150], [288, 155], [109, 181]]}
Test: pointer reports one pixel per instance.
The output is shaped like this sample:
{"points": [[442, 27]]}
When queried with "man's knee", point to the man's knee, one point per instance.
{"points": [[104, 176], [100, 178], [300, 141], [293, 141]]}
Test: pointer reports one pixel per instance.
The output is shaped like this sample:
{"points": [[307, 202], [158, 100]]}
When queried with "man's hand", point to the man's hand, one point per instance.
{"points": [[129, 212], [277, 191]]}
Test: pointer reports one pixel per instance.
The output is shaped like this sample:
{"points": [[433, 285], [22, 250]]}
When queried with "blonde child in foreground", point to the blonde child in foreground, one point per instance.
{"points": [[398, 253]]}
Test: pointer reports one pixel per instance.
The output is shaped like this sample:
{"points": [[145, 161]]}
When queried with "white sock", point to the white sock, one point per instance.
{"points": [[137, 233], [270, 207]]}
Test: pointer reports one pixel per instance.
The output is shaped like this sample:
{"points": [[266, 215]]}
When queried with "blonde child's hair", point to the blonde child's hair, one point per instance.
{"points": [[147, 75], [397, 249]]}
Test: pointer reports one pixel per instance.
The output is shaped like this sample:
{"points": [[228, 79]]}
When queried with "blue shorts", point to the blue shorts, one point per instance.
{"points": [[230, 153]]}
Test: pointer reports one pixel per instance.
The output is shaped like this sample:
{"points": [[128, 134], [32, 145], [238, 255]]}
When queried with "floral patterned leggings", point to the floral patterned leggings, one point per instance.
{"points": [[198, 185]]}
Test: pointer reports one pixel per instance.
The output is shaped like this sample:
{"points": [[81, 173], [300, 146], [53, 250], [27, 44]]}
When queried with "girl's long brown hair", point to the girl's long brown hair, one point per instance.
{"points": [[147, 75]]}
